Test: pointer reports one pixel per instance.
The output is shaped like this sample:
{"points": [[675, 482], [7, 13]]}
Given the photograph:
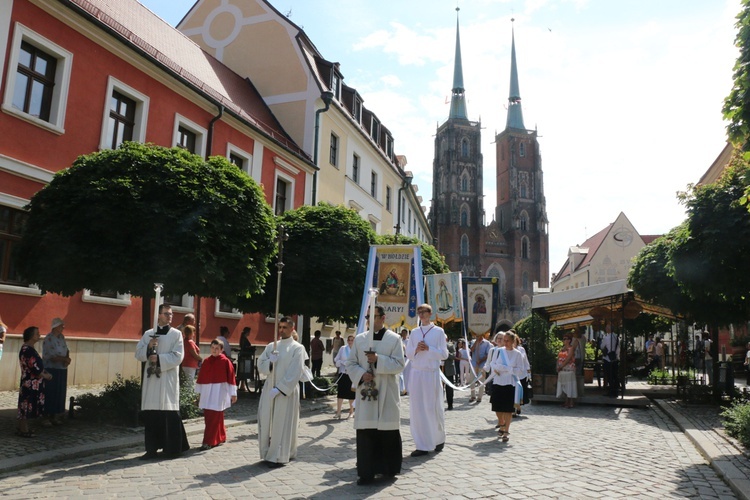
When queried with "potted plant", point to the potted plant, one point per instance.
{"points": [[542, 350]]}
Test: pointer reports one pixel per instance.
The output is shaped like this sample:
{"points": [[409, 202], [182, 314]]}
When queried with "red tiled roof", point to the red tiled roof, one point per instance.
{"points": [[137, 26], [649, 238]]}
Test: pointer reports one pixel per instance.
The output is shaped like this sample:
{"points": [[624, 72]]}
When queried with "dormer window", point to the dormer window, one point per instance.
{"points": [[375, 130], [357, 110], [336, 85]]}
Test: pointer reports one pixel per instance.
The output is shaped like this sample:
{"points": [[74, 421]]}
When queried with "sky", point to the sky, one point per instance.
{"points": [[626, 96]]}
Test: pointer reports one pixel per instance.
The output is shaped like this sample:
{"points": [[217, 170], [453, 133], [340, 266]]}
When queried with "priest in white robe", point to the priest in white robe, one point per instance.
{"points": [[426, 349], [278, 409], [162, 352], [377, 421]]}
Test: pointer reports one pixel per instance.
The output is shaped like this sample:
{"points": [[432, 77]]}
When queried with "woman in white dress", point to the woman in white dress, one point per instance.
{"points": [[566, 372]]}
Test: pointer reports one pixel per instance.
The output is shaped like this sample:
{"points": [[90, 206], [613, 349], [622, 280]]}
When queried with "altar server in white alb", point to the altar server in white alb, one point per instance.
{"points": [[162, 351], [377, 419], [426, 349], [278, 409]]}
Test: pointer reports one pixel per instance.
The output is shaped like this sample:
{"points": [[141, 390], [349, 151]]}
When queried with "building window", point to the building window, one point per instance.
{"points": [[524, 190], [464, 246], [125, 115], [409, 223], [524, 221], [464, 183], [374, 185], [336, 85], [237, 161], [375, 130], [282, 196], [525, 281], [355, 169], [186, 139], [403, 212], [357, 110], [11, 225], [464, 216], [388, 198], [242, 159], [224, 311], [37, 80], [121, 119], [525, 248], [109, 297], [522, 150], [189, 135], [465, 148], [334, 156]]}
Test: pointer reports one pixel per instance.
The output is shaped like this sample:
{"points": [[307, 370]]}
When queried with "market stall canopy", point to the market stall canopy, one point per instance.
{"points": [[586, 304]]}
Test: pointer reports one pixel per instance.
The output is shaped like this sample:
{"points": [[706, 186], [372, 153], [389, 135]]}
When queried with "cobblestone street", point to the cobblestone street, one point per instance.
{"points": [[586, 452]]}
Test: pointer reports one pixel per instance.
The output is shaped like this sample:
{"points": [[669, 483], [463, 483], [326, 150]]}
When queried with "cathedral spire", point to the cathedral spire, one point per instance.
{"points": [[515, 114], [458, 101]]}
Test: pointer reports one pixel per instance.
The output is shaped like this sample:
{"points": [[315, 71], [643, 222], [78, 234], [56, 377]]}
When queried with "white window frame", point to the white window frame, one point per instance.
{"points": [[30, 289], [141, 111], [59, 103], [122, 300], [290, 197], [200, 133], [235, 314], [247, 157], [334, 153]]}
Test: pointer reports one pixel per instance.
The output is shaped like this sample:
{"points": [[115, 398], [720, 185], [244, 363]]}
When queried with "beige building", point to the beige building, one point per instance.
{"points": [[606, 256], [354, 150]]}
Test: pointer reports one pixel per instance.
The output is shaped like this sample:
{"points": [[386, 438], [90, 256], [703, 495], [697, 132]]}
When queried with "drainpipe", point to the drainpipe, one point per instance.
{"points": [[210, 133], [327, 97]]}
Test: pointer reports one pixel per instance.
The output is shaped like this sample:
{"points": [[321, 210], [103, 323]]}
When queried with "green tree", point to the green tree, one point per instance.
{"points": [[126, 218], [325, 262], [737, 104], [542, 343], [432, 261]]}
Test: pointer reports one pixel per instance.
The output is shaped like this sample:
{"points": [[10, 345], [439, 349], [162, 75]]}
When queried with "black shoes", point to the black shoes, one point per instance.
{"points": [[364, 481], [274, 465], [149, 455], [419, 453], [439, 447]]}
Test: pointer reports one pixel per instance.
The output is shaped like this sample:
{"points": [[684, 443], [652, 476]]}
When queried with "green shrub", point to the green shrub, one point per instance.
{"points": [[118, 403], [188, 399], [737, 422]]}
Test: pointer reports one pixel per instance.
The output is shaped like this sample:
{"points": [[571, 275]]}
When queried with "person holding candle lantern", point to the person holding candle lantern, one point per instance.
{"points": [[377, 357], [163, 349]]}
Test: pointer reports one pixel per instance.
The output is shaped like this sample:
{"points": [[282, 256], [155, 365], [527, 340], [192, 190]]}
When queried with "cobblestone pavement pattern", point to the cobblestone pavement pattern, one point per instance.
{"points": [[586, 452]]}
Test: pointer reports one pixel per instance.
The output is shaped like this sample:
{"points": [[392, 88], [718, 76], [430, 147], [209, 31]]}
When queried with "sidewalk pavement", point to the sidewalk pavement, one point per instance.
{"points": [[78, 438]]}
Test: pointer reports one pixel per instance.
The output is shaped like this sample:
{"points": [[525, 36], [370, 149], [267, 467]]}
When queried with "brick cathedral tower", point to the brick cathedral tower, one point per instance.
{"points": [[457, 212], [514, 247]]}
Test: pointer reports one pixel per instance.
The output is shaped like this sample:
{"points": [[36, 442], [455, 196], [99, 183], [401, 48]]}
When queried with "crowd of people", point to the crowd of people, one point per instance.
{"points": [[374, 371]]}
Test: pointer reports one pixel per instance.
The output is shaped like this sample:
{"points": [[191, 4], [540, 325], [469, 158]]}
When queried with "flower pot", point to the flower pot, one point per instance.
{"points": [[588, 375], [550, 385]]}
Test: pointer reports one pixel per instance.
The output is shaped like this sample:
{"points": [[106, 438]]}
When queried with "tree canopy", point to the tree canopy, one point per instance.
{"points": [[124, 219], [695, 268], [325, 261], [737, 104]]}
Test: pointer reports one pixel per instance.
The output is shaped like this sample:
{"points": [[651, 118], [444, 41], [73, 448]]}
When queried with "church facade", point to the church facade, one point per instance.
{"points": [[514, 247]]}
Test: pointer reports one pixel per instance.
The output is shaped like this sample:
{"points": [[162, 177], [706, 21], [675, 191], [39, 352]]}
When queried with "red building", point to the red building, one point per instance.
{"points": [[84, 75]]}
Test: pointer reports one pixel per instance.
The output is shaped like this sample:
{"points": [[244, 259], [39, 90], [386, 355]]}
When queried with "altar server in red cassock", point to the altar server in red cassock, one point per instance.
{"points": [[218, 391]]}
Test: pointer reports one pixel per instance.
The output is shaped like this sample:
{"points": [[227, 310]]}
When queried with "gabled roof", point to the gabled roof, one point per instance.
{"points": [[593, 245], [145, 32]]}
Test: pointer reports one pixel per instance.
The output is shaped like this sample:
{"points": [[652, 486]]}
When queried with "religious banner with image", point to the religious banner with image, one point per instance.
{"points": [[396, 272], [480, 297], [444, 295]]}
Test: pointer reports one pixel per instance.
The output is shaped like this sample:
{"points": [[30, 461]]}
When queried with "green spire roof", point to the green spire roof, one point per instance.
{"points": [[458, 101], [515, 114]]}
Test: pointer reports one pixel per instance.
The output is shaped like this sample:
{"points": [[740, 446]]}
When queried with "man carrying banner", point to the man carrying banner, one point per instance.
{"points": [[426, 349], [377, 419]]}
